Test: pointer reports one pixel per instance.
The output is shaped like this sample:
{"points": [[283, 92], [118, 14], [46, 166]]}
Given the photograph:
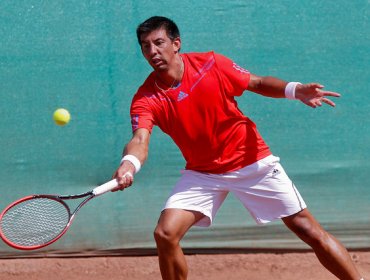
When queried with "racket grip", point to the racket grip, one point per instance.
{"points": [[108, 186]]}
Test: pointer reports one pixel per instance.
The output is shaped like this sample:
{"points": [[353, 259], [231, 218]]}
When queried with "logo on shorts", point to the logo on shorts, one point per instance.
{"points": [[275, 172]]}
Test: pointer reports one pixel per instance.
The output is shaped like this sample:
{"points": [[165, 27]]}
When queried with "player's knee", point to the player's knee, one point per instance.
{"points": [[313, 235], [305, 226], [317, 237], [165, 237]]}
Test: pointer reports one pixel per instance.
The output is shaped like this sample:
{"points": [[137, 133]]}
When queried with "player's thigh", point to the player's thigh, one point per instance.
{"points": [[198, 192], [174, 223], [269, 194]]}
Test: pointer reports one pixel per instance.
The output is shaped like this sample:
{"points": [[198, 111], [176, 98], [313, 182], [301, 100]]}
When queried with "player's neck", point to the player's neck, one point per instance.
{"points": [[170, 78]]}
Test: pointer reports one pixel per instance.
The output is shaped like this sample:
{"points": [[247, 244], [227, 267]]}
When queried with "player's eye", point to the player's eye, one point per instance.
{"points": [[159, 43]]}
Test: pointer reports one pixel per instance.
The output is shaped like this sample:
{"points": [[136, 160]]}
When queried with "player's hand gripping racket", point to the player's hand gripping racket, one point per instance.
{"points": [[36, 221]]}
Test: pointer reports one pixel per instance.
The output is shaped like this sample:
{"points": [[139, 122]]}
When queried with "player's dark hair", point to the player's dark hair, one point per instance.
{"points": [[157, 22]]}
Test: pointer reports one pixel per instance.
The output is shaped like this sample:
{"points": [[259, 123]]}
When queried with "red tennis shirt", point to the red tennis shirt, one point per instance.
{"points": [[201, 114]]}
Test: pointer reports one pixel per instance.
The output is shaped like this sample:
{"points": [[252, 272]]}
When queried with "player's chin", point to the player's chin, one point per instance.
{"points": [[160, 67]]}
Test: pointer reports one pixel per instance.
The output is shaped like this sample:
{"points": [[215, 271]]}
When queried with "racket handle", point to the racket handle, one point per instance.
{"points": [[108, 186]]}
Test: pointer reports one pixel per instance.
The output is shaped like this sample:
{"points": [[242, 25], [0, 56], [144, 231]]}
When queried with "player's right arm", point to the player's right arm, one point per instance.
{"points": [[138, 147]]}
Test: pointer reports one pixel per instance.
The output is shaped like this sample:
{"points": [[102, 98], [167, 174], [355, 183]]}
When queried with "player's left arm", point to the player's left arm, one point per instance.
{"points": [[311, 94]]}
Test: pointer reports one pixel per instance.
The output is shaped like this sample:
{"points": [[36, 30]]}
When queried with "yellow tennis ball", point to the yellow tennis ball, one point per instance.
{"points": [[61, 116]]}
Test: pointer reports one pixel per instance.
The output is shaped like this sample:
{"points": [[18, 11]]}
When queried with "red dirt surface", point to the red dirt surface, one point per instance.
{"points": [[303, 266]]}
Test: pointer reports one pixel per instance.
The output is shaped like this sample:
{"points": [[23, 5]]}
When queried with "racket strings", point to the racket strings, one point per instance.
{"points": [[35, 221]]}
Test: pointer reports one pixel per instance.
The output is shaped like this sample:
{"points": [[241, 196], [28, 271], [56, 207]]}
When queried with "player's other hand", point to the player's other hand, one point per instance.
{"points": [[313, 95]]}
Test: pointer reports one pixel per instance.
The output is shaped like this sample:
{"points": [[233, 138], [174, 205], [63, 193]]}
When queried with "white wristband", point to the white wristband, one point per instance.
{"points": [[290, 90], [134, 160]]}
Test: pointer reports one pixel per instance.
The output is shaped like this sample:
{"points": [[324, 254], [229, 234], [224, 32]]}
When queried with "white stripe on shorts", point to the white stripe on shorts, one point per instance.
{"points": [[264, 189]]}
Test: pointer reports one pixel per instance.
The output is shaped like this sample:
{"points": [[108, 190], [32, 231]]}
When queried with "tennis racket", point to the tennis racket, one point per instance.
{"points": [[36, 221]]}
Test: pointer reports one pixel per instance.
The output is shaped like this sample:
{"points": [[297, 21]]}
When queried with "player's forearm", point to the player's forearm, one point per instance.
{"points": [[138, 145], [267, 86], [137, 149]]}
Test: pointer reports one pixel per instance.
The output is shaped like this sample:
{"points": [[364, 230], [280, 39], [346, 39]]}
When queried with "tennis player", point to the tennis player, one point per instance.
{"points": [[191, 97]]}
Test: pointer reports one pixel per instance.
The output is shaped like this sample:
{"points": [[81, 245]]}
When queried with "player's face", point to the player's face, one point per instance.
{"points": [[159, 50]]}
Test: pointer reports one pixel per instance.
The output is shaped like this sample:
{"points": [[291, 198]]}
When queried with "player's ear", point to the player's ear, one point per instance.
{"points": [[177, 44]]}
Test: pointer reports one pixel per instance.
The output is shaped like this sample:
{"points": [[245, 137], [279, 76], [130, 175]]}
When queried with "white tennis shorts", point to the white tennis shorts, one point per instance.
{"points": [[264, 189]]}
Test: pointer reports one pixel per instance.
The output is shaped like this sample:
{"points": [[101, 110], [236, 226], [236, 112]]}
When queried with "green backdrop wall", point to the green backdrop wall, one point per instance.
{"points": [[83, 56]]}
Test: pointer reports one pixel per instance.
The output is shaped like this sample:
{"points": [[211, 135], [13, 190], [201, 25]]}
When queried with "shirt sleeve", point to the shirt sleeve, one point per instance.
{"points": [[235, 78], [141, 115]]}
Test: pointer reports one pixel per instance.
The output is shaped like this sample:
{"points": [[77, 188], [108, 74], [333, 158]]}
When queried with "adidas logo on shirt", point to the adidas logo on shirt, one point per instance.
{"points": [[182, 95]]}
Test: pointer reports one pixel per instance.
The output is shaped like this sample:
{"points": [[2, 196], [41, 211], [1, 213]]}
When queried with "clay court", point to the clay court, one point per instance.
{"points": [[287, 266]]}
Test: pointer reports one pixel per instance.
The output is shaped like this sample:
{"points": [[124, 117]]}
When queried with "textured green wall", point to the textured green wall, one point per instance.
{"points": [[83, 55]]}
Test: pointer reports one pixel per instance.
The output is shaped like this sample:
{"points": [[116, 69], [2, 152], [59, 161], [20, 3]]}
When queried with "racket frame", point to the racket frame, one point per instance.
{"points": [[58, 198], [97, 191]]}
